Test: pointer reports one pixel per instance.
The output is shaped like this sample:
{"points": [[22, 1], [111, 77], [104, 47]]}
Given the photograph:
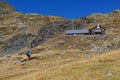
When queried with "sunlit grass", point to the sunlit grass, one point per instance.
{"points": [[49, 66]]}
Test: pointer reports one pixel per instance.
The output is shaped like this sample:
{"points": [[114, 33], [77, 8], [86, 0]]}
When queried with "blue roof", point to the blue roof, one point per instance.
{"points": [[77, 31], [82, 31]]}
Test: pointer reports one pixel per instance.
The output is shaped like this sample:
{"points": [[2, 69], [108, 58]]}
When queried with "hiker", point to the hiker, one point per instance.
{"points": [[28, 54]]}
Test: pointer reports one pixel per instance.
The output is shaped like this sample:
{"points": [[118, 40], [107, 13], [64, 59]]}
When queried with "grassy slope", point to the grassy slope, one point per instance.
{"points": [[63, 65]]}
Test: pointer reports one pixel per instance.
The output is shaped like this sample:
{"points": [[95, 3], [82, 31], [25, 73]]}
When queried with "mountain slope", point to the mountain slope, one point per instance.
{"points": [[53, 34], [58, 65], [56, 56], [15, 24], [19, 31]]}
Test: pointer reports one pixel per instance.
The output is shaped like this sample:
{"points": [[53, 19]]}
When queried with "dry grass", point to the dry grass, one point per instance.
{"points": [[62, 65]]}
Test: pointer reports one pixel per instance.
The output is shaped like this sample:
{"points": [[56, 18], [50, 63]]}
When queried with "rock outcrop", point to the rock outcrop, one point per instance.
{"points": [[6, 9]]}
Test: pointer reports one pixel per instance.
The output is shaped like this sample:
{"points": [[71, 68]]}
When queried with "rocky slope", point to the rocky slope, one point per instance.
{"points": [[19, 31], [53, 34], [17, 28]]}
